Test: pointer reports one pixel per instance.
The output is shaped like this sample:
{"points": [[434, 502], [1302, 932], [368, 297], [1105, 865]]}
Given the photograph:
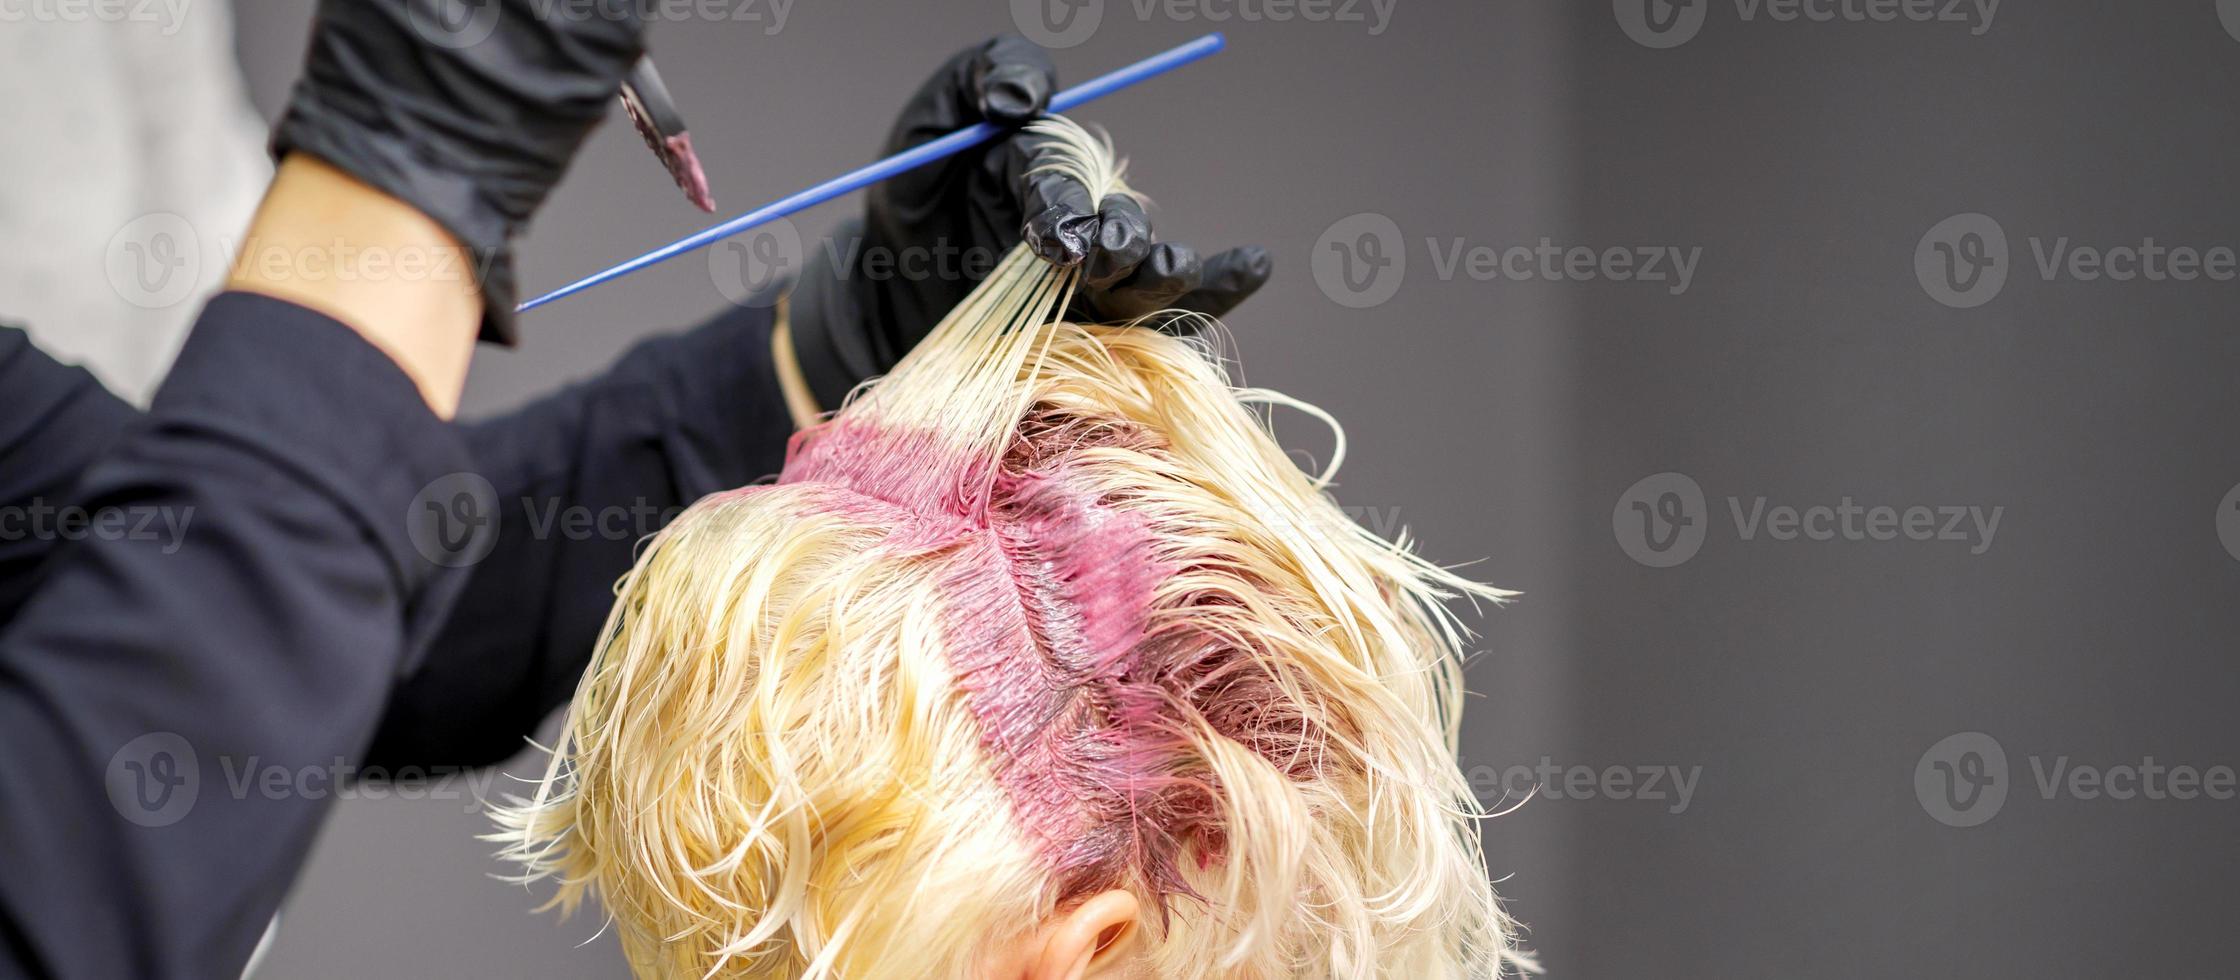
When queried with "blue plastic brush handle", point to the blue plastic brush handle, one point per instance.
{"points": [[912, 158]]}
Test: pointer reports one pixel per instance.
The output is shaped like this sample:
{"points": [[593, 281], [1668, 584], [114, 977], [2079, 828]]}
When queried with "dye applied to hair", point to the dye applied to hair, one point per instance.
{"points": [[1045, 612], [1046, 622]]}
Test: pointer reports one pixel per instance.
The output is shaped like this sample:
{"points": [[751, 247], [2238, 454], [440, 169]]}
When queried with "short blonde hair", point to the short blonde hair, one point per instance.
{"points": [[1045, 612]]}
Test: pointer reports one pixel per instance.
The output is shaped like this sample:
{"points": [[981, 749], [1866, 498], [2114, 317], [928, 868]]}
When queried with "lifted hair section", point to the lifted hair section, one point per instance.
{"points": [[1043, 613]]}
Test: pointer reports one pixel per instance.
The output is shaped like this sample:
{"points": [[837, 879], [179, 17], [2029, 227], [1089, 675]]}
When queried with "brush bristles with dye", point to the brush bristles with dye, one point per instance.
{"points": [[1045, 612]]}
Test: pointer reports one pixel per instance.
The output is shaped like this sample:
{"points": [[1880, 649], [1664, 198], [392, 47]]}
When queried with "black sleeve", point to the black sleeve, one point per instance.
{"points": [[54, 422], [175, 709], [582, 475], [577, 479]]}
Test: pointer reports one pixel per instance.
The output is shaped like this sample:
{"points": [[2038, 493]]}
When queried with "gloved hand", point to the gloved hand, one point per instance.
{"points": [[473, 129], [848, 326]]}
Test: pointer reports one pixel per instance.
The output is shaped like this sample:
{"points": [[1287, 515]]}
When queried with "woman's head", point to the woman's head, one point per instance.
{"points": [[1040, 646]]}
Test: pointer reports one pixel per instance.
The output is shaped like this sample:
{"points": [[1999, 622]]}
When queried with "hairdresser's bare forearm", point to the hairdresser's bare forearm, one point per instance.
{"points": [[326, 241]]}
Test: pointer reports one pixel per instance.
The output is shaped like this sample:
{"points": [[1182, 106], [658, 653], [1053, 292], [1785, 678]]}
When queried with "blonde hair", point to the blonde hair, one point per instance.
{"points": [[1044, 612]]}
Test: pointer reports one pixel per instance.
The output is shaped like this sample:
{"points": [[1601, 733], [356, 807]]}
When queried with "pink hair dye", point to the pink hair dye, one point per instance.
{"points": [[1079, 686]]}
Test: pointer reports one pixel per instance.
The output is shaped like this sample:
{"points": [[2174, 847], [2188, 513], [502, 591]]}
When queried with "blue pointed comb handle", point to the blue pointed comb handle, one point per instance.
{"points": [[912, 158]]}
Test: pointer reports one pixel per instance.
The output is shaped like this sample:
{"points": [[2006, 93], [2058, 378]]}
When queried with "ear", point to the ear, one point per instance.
{"points": [[1087, 940]]}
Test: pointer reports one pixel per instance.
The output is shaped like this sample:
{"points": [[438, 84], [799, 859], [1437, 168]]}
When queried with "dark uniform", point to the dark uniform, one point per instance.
{"points": [[297, 623], [151, 668]]}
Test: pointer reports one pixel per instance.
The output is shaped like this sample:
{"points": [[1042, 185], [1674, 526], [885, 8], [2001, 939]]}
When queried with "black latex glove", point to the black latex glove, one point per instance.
{"points": [[468, 110], [848, 326]]}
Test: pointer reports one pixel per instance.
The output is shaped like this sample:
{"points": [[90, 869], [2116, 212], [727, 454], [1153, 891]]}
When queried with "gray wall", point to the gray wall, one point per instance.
{"points": [[1797, 686]]}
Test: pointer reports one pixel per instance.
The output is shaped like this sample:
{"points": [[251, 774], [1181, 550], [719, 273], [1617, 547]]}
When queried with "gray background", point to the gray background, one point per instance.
{"points": [[1503, 421]]}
